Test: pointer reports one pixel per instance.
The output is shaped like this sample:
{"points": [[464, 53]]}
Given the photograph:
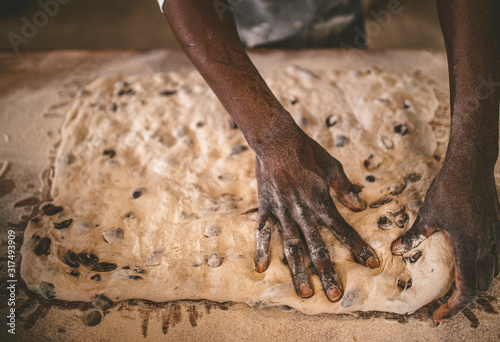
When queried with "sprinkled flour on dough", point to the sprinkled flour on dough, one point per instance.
{"points": [[154, 193]]}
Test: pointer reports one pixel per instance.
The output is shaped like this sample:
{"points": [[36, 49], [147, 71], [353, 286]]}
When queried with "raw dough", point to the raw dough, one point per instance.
{"points": [[154, 182]]}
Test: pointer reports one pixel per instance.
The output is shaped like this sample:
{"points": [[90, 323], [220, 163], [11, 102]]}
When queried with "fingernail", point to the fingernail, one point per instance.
{"points": [[305, 291], [397, 248], [435, 322], [373, 262], [261, 267], [352, 201], [334, 294]]}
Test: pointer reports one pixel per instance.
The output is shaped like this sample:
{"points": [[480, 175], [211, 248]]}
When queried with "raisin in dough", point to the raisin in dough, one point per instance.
{"points": [[154, 193]]}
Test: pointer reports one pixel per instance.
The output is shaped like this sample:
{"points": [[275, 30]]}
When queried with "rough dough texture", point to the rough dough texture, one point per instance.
{"points": [[154, 181]]}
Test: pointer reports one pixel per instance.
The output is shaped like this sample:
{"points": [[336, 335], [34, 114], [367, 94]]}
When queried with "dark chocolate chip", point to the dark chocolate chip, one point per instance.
{"points": [[397, 189], [63, 224], [104, 267], [74, 273], [112, 107], [92, 318], [109, 153], [126, 92], [88, 259], [437, 157], [35, 237], [43, 246], [401, 129], [134, 277], [200, 124], [413, 177], [237, 149], [138, 192], [370, 178], [372, 162], [341, 141], [36, 220], [50, 209], [47, 290], [384, 222], [71, 259], [350, 298], [292, 100], [102, 302], [67, 159], [112, 235], [380, 202], [96, 277], [168, 92], [414, 257], [233, 124], [284, 261], [135, 268], [130, 215], [404, 285], [401, 220], [331, 120]]}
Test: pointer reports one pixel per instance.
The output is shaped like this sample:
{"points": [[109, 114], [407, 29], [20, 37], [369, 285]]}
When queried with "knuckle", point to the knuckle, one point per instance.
{"points": [[264, 230], [293, 247], [319, 251]]}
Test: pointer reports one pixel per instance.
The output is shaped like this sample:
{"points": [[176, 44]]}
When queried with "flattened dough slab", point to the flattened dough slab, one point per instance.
{"points": [[154, 181]]}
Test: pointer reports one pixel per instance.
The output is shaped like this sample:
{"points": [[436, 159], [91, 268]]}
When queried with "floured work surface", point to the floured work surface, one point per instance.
{"points": [[155, 193]]}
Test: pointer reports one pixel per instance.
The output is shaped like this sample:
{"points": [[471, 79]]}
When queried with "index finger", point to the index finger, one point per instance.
{"points": [[332, 219]]}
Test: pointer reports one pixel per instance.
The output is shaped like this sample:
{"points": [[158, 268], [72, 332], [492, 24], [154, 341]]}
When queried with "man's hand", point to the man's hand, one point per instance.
{"points": [[294, 180], [463, 203]]}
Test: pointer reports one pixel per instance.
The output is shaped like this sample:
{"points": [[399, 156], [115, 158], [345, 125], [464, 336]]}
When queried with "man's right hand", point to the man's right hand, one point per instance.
{"points": [[294, 172], [294, 175]]}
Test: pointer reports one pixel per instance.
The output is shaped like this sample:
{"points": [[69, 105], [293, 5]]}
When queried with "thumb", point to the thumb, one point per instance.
{"points": [[413, 237]]}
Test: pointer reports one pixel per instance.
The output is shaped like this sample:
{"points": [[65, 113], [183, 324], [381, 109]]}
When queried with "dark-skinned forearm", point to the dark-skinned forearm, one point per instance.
{"points": [[211, 41], [471, 31]]}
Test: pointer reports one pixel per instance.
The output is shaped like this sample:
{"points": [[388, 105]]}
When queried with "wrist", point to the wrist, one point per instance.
{"points": [[277, 129], [467, 149]]}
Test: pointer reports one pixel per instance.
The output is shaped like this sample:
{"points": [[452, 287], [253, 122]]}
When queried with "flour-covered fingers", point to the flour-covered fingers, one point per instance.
{"points": [[466, 281], [348, 236], [294, 253], [320, 256], [345, 190], [413, 237], [262, 252]]}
